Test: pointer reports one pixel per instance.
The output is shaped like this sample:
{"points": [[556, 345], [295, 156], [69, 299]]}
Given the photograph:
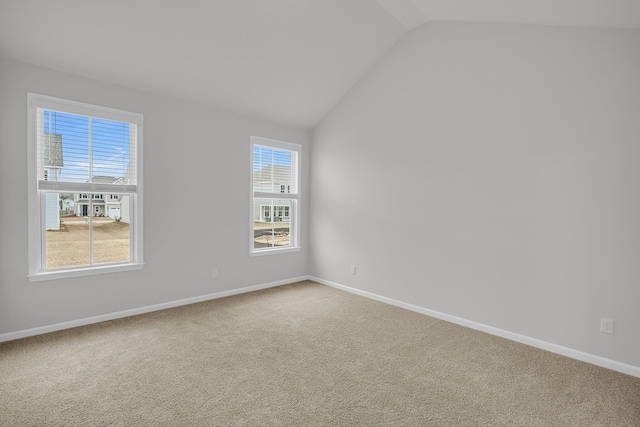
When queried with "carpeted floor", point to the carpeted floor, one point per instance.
{"points": [[301, 354]]}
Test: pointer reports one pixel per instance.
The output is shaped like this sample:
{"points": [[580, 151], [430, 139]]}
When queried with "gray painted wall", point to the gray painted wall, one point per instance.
{"points": [[485, 171], [491, 172], [197, 207]]}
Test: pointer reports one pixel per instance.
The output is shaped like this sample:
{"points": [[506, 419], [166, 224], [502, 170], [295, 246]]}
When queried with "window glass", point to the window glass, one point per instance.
{"points": [[275, 196], [85, 193]]}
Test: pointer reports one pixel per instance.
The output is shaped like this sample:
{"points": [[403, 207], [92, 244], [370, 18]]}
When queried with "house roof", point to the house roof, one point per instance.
{"points": [[288, 62], [53, 150], [105, 179], [279, 174]]}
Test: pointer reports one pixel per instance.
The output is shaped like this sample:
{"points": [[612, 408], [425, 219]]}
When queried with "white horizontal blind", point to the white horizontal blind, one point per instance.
{"points": [[85, 153], [275, 172]]}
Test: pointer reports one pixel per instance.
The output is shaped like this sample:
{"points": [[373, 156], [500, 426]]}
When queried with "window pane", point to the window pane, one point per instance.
{"points": [[110, 149], [66, 146], [271, 224], [111, 237], [84, 149], [84, 230], [67, 235], [271, 170]]}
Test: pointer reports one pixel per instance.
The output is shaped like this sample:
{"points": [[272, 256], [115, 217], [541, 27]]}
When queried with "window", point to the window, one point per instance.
{"points": [[81, 155], [275, 196]]}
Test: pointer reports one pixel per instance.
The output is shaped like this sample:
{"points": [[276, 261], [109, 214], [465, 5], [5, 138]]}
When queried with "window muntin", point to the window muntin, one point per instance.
{"points": [[80, 157], [275, 183]]}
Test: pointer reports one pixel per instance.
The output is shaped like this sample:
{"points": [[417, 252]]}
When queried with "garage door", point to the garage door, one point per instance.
{"points": [[114, 212]]}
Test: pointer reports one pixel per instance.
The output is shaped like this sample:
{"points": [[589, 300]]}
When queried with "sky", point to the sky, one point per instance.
{"points": [[264, 156], [109, 147], [106, 140]]}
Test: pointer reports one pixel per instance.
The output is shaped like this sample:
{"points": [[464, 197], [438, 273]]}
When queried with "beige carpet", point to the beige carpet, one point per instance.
{"points": [[302, 354]]}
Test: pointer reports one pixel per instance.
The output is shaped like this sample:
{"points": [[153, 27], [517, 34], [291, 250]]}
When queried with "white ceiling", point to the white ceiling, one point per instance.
{"points": [[286, 61]]}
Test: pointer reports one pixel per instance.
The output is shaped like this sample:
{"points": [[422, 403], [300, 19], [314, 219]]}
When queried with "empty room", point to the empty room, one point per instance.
{"points": [[320, 212]]}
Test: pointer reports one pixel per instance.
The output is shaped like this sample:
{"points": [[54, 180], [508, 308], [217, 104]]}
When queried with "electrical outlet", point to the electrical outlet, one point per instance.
{"points": [[353, 269], [214, 273], [606, 326]]}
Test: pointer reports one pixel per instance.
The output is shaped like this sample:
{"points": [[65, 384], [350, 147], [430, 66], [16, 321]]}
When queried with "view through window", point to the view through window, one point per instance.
{"points": [[85, 192], [275, 195]]}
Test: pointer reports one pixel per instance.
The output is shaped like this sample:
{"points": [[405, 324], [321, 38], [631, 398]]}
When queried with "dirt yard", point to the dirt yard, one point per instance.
{"points": [[267, 225], [70, 246], [264, 238], [275, 240]]}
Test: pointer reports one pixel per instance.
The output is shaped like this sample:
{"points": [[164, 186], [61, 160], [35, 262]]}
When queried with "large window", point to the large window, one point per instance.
{"points": [[85, 189], [275, 196]]}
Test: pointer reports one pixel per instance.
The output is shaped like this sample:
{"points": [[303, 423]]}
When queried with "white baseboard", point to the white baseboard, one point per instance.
{"points": [[554, 348], [126, 313]]}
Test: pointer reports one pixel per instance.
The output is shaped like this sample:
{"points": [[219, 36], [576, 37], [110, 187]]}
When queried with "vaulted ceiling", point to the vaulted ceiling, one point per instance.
{"points": [[286, 61]]}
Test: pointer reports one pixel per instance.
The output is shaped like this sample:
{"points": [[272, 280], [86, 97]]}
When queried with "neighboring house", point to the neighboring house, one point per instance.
{"points": [[111, 205], [125, 210], [272, 179], [66, 204], [52, 165]]}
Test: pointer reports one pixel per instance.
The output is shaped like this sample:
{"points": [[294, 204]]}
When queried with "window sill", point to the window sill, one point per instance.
{"points": [[273, 251], [88, 271]]}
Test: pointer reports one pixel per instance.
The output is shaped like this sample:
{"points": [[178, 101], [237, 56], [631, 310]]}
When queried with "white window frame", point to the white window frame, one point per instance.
{"points": [[36, 194], [295, 198]]}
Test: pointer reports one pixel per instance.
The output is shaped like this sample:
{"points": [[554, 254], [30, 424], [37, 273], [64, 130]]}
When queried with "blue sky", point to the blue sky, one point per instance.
{"points": [[265, 156], [109, 145]]}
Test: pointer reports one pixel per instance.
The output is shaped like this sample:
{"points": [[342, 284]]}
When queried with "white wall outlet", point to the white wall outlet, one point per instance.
{"points": [[214, 273], [353, 269], [606, 326]]}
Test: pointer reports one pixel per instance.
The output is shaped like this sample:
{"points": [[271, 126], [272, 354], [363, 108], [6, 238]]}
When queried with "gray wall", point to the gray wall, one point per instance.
{"points": [[491, 172], [484, 171], [197, 207]]}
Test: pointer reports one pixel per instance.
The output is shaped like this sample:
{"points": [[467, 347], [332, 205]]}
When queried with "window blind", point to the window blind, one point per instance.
{"points": [[85, 153], [275, 172]]}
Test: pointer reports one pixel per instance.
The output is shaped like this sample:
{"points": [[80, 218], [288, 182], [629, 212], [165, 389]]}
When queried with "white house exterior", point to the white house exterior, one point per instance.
{"points": [[272, 179], [115, 206], [109, 205], [125, 209], [67, 204], [53, 163]]}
